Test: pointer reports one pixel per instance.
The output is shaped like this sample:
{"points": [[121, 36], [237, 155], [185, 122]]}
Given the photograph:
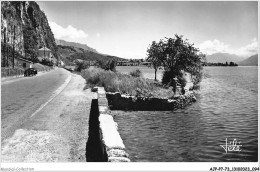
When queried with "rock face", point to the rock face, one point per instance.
{"points": [[28, 23]]}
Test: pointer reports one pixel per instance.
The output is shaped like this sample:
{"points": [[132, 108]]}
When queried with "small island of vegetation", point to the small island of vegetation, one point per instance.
{"points": [[175, 56], [221, 64]]}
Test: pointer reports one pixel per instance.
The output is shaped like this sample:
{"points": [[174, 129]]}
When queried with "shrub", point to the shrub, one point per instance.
{"points": [[182, 80], [81, 66], [7, 72], [136, 73], [169, 75], [107, 65], [40, 67], [47, 62]]}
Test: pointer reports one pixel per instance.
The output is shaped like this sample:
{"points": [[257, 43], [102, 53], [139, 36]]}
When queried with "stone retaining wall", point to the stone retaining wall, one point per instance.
{"points": [[110, 137], [117, 101]]}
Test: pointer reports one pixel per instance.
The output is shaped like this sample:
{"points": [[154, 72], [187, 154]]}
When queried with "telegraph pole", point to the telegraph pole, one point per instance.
{"points": [[44, 45], [13, 46], [7, 55], [4, 59]]}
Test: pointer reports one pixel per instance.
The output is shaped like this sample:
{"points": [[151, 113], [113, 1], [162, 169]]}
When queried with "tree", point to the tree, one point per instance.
{"points": [[81, 65], [154, 56], [177, 55], [107, 65], [30, 43], [46, 62]]}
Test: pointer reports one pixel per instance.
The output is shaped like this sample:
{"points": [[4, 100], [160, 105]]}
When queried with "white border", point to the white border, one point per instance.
{"points": [[137, 166], [158, 166]]}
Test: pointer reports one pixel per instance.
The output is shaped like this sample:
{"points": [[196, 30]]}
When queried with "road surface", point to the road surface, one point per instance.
{"points": [[45, 118]]}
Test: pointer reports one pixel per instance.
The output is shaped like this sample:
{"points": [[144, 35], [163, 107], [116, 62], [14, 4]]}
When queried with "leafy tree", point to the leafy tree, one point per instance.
{"points": [[177, 55], [81, 65], [47, 62], [154, 56], [30, 43], [107, 65]]}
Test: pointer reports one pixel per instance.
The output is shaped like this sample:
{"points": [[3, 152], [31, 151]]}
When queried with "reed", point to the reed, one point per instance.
{"points": [[125, 84]]}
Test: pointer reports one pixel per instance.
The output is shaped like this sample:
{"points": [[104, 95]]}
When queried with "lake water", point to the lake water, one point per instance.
{"points": [[147, 72], [226, 108]]}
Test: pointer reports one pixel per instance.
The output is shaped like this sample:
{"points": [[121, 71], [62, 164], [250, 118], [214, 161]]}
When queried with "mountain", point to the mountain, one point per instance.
{"points": [[251, 61], [74, 44], [223, 58], [29, 24], [68, 54]]}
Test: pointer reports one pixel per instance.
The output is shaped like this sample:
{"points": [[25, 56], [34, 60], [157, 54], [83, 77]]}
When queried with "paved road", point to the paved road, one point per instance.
{"points": [[45, 118]]}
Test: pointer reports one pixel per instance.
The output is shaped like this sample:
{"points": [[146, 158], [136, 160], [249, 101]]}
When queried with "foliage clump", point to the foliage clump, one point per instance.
{"points": [[107, 64], [47, 62], [125, 84], [136, 73], [176, 56], [81, 65]]}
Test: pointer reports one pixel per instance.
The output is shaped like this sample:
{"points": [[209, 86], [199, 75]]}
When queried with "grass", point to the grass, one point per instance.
{"points": [[125, 84], [9, 71], [40, 67]]}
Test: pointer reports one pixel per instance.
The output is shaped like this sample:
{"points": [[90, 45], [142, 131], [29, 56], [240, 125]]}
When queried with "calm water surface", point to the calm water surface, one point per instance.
{"points": [[226, 107]]}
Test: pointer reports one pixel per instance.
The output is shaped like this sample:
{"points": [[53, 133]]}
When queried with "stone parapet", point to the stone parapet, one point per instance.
{"points": [[117, 101], [110, 137]]}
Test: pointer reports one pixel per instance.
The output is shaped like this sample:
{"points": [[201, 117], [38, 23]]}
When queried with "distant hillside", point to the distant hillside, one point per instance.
{"points": [[223, 58], [74, 44], [69, 54], [251, 61]]}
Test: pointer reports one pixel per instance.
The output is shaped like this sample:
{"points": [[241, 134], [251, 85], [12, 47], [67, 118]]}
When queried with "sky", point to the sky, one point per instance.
{"points": [[126, 29]]}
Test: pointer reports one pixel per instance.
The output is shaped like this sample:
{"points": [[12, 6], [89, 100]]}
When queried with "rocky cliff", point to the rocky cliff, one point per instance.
{"points": [[24, 21]]}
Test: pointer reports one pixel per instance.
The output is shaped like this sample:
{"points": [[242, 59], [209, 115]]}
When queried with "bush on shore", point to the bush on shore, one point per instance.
{"points": [[176, 55], [168, 75], [107, 65], [136, 73], [125, 84], [81, 66]]}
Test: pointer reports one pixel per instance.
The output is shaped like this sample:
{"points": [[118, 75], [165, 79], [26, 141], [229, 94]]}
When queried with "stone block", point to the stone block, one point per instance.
{"points": [[102, 101], [118, 159], [101, 95], [117, 153], [102, 109], [111, 137]]}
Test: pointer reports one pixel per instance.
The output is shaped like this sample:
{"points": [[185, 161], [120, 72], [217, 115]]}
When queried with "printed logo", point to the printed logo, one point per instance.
{"points": [[232, 147]]}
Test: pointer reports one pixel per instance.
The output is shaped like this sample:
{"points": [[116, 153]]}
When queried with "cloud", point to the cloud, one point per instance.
{"points": [[250, 49], [98, 35], [215, 46], [69, 33], [210, 47]]}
